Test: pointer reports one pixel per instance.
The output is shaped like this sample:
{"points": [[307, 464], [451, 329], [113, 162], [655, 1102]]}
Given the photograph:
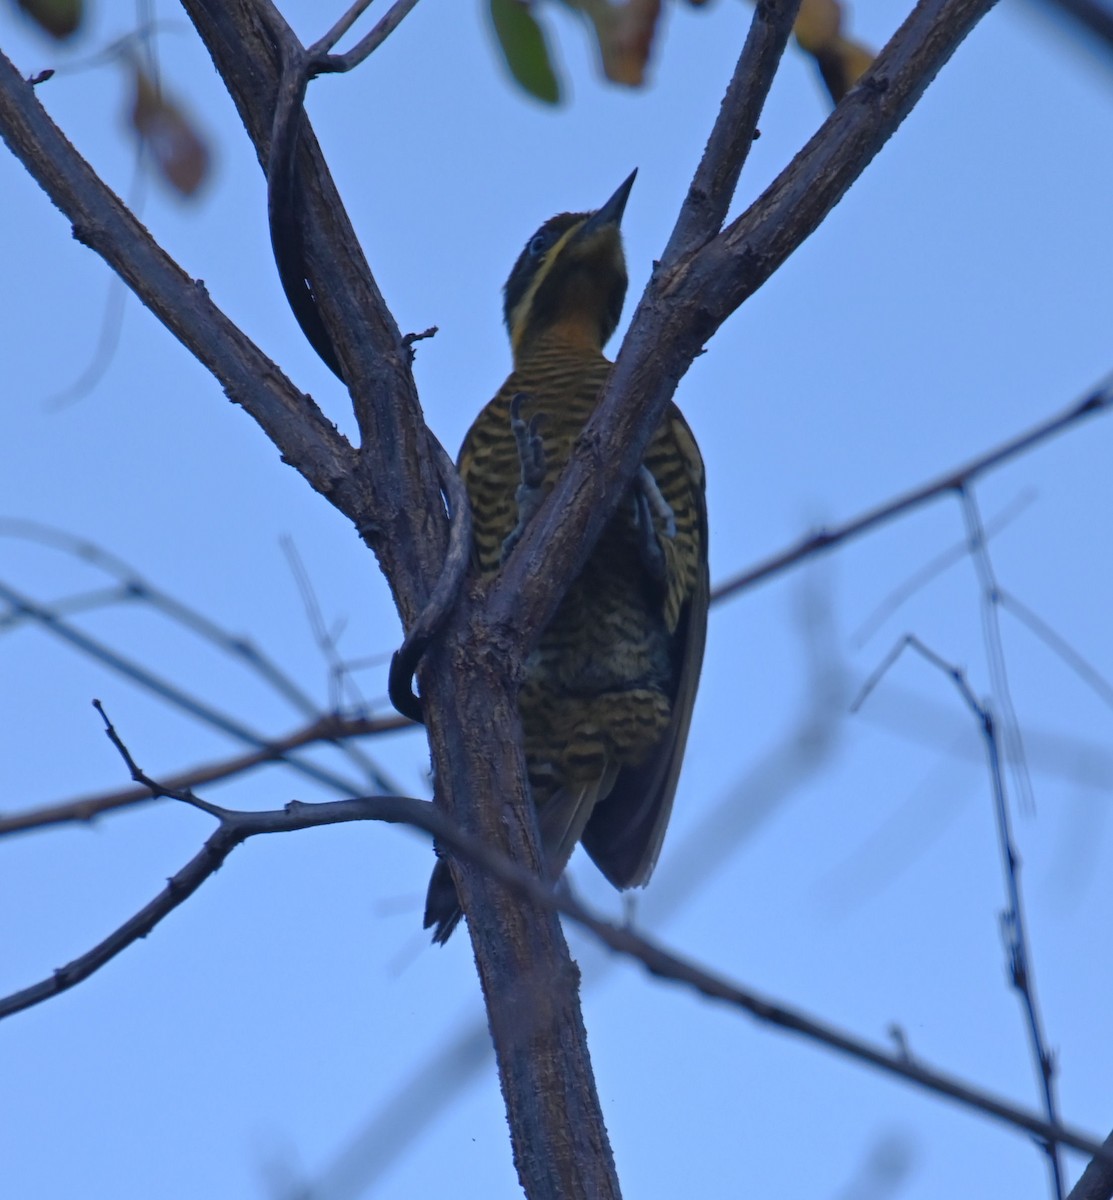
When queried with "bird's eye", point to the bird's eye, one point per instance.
{"points": [[538, 244]]}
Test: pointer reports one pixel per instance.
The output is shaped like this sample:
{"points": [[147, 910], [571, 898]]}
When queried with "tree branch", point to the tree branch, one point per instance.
{"points": [[557, 1128], [1013, 921], [101, 221], [163, 688], [686, 301], [1100, 400], [367, 44], [236, 827], [395, 491], [1096, 1182], [705, 207], [331, 728]]}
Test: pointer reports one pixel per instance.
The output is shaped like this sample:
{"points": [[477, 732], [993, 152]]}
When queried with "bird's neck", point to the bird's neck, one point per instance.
{"points": [[574, 333]]}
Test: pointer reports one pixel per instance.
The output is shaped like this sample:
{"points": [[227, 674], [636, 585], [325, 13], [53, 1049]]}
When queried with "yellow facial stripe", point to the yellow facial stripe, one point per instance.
{"points": [[521, 311]]}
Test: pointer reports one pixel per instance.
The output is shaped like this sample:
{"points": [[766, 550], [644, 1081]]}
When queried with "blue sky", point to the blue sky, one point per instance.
{"points": [[957, 295]]}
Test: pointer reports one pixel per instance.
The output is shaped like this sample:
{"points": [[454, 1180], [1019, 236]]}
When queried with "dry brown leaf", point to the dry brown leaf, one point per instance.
{"points": [[59, 18], [625, 34], [178, 149]]}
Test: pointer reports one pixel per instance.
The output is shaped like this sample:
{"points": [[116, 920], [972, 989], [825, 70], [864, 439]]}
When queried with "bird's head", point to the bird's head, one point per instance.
{"points": [[570, 280]]}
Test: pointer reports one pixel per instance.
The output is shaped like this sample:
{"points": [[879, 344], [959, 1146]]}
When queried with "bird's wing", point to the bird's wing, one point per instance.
{"points": [[626, 829]]}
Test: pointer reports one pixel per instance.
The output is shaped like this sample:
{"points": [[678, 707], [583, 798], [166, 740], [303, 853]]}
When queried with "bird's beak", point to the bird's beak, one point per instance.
{"points": [[611, 212]]}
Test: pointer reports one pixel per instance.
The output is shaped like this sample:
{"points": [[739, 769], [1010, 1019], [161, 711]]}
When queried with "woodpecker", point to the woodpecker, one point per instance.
{"points": [[607, 696]]}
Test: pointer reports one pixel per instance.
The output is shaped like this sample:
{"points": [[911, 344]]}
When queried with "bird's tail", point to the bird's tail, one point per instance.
{"points": [[442, 905], [562, 818]]}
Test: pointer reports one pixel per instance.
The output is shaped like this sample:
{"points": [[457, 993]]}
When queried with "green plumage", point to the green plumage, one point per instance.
{"points": [[608, 694]]}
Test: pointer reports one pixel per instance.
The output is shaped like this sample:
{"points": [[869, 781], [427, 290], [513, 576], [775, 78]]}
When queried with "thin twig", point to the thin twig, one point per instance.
{"points": [[335, 728], [233, 829], [166, 690], [133, 588], [327, 637], [1013, 922], [1058, 645], [411, 339], [1100, 400], [1009, 726], [341, 27], [236, 827], [705, 207], [368, 44], [942, 562]]}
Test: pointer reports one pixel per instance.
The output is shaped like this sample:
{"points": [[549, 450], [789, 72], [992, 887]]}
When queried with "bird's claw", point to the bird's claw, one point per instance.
{"points": [[531, 457], [655, 519], [531, 447]]}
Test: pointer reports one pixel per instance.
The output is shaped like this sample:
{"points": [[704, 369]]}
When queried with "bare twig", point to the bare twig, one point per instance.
{"points": [[940, 563], [369, 43], [1058, 645], [335, 728], [326, 637], [411, 339], [166, 690], [709, 196], [236, 827], [1013, 923], [1008, 724], [233, 829], [339, 28], [1100, 400], [133, 588]]}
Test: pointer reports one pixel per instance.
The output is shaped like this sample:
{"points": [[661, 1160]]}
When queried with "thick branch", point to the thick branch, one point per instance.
{"points": [[557, 1128], [1096, 1182], [735, 265], [397, 504], [101, 221], [687, 300]]}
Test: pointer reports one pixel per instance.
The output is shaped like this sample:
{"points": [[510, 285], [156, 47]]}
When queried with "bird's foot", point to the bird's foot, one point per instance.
{"points": [[531, 456], [655, 519]]}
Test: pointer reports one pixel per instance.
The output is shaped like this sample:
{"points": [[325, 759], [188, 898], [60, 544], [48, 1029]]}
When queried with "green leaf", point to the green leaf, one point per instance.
{"points": [[59, 18], [523, 45]]}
